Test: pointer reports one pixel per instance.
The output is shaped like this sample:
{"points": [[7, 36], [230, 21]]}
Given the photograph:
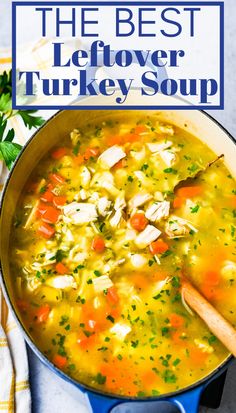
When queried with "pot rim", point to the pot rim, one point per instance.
{"points": [[82, 386]]}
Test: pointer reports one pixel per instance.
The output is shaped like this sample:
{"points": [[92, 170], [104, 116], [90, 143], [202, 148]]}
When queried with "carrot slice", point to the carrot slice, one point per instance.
{"points": [[47, 197], [138, 221], [130, 137], [197, 356], [112, 296], [212, 277], [59, 201], [85, 342], [234, 201], [120, 164], [114, 140], [51, 215], [61, 268], [140, 129], [79, 159], [178, 202], [42, 313], [148, 378], [189, 191], [56, 178], [91, 153], [98, 244], [59, 361], [59, 153], [158, 247], [120, 374], [177, 338], [176, 320], [42, 207], [46, 230]]}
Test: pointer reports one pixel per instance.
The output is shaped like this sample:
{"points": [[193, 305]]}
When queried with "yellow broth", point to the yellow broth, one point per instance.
{"points": [[97, 285]]}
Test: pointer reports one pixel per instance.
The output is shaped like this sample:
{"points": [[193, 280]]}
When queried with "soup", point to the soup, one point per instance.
{"points": [[104, 230]]}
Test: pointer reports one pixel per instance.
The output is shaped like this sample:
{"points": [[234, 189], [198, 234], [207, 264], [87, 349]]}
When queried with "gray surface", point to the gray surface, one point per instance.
{"points": [[50, 393]]}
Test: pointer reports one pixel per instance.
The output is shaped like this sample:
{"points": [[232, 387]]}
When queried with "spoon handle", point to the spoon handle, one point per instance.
{"points": [[217, 324]]}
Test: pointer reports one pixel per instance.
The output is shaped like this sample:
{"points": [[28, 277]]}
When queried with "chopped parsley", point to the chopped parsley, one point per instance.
{"points": [[195, 209]]}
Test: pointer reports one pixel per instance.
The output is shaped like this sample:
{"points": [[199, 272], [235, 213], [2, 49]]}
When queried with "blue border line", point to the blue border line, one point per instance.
{"points": [[222, 55], [117, 3], [14, 56], [220, 4]]}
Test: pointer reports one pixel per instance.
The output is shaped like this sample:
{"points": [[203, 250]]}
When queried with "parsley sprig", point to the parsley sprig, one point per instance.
{"points": [[9, 149]]}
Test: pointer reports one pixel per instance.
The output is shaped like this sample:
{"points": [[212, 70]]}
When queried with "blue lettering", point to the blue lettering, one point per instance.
{"points": [[142, 22], [174, 23], [127, 21], [86, 22]]}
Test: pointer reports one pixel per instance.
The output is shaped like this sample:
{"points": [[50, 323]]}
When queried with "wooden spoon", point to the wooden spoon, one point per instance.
{"points": [[217, 324]]}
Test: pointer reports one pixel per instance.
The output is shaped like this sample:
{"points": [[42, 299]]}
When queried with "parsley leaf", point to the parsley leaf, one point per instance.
{"points": [[100, 379], [194, 209], [29, 120], [9, 152]]}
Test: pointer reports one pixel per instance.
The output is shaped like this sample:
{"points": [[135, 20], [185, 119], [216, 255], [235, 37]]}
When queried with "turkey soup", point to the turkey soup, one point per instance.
{"points": [[105, 228]]}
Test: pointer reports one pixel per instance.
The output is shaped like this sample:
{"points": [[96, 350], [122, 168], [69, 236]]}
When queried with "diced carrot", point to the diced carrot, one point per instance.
{"points": [[79, 159], [91, 153], [148, 378], [42, 313], [59, 201], [234, 201], [41, 209], [22, 305], [59, 153], [176, 320], [158, 247], [46, 230], [212, 277], [59, 361], [95, 320], [197, 356], [189, 191], [98, 244], [50, 187], [140, 129], [51, 215], [208, 291], [86, 341], [178, 202], [61, 268], [138, 221], [120, 164], [120, 374], [130, 137], [112, 296], [47, 196], [114, 140], [57, 179], [177, 338]]}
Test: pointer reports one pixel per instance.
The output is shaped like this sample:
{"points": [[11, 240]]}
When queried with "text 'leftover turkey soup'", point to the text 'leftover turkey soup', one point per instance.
{"points": [[103, 232]]}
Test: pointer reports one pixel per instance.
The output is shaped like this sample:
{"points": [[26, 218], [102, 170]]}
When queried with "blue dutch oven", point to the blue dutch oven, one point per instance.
{"points": [[55, 129]]}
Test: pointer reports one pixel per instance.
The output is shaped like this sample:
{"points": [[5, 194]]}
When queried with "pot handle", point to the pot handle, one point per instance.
{"points": [[186, 402]]}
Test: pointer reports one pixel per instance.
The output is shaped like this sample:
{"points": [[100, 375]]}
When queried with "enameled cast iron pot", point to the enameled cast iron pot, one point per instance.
{"points": [[56, 128]]}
